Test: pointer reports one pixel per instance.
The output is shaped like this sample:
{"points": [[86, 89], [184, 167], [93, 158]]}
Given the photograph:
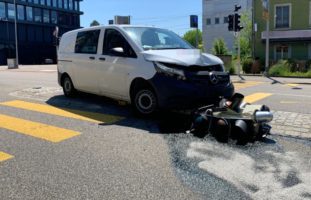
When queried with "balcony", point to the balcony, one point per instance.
{"points": [[287, 36]]}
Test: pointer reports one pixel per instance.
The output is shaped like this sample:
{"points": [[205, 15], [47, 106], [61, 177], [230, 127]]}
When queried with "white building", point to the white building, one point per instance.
{"points": [[215, 16]]}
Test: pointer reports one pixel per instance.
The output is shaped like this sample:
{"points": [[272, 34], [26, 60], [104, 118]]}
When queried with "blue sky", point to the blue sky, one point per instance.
{"points": [[170, 14]]}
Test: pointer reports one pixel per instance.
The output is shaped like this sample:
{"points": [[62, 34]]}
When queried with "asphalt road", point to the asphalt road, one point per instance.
{"points": [[105, 152]]}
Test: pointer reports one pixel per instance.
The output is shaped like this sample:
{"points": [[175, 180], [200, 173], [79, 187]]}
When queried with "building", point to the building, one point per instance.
{"points": [[290, 33], [36, 22], [215, 18]]}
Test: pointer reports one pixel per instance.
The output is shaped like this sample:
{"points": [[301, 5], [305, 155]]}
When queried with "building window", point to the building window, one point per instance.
{"points": [[20, 12], [54, 17], [87, 42], [208, 21], [226, 20], [48, 2], [29, 16], [2, 10], [70, 5], [60, 3], [42, 2], [11, 11], [283, 16], [54, 3], [46, 16], [77, 6], [30, 1], [65, 4], [216, 20], [282, 52], [36, 1], [37, 14]]}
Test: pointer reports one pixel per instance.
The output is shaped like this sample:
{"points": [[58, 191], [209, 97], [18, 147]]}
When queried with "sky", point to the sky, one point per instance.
{"points": [[170, 14]]}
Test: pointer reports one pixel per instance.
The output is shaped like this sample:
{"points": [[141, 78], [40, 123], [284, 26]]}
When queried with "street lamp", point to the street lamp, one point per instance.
{"points": [[16, 39]]}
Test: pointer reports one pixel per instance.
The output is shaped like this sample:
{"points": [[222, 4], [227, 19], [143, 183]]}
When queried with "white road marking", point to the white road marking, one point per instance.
{"points": [[256, 174]]}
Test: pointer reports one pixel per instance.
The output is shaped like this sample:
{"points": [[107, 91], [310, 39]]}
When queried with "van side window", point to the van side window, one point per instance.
{"points": [[114, 39], [87, 42]]}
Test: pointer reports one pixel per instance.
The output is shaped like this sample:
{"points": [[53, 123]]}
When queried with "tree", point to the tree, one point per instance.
{"points": [[94, 23], [190, 37], [219, 47]]}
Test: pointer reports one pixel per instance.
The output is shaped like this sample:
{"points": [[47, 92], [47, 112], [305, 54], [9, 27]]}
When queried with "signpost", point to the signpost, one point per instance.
{"points": [[16, 38], [56, 38], [194, 21]]}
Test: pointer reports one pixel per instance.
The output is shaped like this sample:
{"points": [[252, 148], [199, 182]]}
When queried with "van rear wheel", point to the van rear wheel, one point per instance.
{"points": [[145, 102], [68, 88]]}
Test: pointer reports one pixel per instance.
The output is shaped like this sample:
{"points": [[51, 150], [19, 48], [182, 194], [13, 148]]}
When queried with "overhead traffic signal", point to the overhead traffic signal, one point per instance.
{"points": [[230, 22], [237, 23]]}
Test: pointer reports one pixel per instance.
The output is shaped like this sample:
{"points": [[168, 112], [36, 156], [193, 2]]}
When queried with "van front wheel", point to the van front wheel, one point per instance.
{"points": [[68, 88], [145, 102]]}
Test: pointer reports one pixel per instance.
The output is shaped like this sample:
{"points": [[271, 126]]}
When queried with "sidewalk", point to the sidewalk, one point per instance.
{"points": [[282, 80], [31, 68], [235, 78]]}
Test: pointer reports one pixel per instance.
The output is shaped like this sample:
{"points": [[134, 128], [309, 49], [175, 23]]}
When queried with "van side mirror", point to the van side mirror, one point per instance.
{"points": [[118, 51]]}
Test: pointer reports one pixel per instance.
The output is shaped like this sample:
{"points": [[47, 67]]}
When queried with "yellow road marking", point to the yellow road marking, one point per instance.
{"points": [[292, 85], [5, 156], [35, 129], [256, 97], [64, 112], [241, 85]]}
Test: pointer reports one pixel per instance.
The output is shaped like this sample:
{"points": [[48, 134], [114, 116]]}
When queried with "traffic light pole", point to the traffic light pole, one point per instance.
{"points": [[197, 38], [239, 56]]}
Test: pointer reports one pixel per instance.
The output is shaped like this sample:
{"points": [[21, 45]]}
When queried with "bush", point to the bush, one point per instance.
{"points": [[219, 47], [280, 68], [292, 64], [247, 65], [285, 67], [308, 66], [230, 68]]}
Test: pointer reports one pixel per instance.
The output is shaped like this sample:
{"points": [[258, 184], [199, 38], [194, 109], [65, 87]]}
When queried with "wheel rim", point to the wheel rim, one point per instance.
{"points": [[145, 101], [67, 85]]}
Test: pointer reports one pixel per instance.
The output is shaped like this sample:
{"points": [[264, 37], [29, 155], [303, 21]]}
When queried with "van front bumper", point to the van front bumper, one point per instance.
{"points": [[186, 94]]}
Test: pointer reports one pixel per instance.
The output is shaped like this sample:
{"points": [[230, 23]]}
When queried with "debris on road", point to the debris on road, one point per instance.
{"points": [[234, 119]]}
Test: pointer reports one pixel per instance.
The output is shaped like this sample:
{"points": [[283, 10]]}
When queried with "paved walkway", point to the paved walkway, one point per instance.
{"points": [[291, 124]]}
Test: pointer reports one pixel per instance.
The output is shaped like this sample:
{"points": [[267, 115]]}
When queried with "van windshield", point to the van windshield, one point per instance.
{"points": [[156, 39]]}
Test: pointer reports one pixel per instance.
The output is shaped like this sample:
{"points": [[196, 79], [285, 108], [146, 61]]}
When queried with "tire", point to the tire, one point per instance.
{"points": [[145, 102], [68, 88]]}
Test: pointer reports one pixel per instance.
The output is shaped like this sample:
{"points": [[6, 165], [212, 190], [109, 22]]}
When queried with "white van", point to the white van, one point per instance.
{"points": [[149, 67]]}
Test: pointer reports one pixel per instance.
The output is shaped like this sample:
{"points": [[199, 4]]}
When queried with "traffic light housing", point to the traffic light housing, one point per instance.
{"points": [[194, 21], [230, 22], [237, 23]]}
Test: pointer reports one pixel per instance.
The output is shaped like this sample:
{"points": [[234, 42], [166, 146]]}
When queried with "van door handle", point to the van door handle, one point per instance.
{"points": [[92, 58], [102, 59]]}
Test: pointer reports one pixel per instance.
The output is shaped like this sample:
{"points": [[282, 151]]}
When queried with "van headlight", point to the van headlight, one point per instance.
{"points": [[161, 68]]}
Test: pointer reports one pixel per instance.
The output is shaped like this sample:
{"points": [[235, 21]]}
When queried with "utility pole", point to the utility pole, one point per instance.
{"points": [[16, 38], [266, 15]]}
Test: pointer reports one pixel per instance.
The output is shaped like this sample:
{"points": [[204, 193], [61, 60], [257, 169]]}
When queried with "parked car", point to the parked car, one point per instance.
{"points": [[149, 67]]}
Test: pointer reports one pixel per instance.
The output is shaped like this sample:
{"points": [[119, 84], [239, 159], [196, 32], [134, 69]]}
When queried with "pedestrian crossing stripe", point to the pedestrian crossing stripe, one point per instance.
{"points": [[63, 112], [256, 97], [5, 156], [35, 129], [246, 84]]}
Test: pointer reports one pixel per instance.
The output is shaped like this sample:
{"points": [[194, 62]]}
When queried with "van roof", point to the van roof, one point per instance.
{"points": [[114, 25]]}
